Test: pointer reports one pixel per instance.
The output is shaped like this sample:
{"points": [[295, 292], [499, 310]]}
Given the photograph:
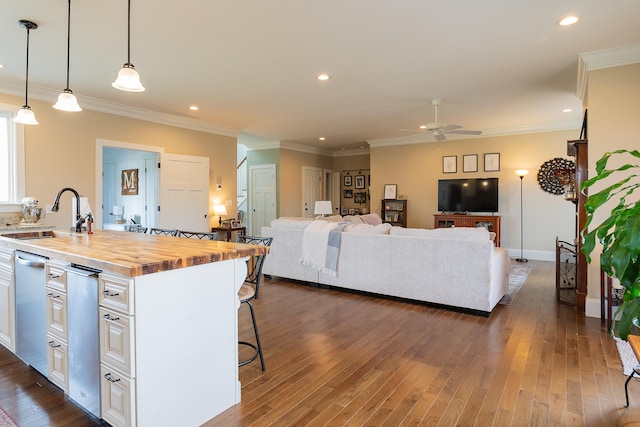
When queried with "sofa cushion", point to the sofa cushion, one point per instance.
{"points": [[371, 219], [354, 219], [368, 228]]}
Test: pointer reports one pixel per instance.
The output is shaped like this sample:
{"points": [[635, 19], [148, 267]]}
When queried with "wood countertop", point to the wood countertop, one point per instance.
{"points": [[129, 254]]}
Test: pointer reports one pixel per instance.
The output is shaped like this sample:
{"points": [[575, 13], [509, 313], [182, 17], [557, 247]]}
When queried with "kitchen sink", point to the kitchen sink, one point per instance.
{"points": [[29, 235]]}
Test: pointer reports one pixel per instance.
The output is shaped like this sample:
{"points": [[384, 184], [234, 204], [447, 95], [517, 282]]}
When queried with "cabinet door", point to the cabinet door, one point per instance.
{"points": [[116, 341], [58, 362], [6, 309], [57, 314], [117, 393]]}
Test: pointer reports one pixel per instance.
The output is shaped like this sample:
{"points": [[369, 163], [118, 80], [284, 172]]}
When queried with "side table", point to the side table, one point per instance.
{"points": [[229, 230]]}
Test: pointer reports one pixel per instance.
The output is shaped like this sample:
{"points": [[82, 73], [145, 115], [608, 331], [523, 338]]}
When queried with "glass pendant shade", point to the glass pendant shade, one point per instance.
{"points": [[25, 116], [128, 79], [67, 102]]}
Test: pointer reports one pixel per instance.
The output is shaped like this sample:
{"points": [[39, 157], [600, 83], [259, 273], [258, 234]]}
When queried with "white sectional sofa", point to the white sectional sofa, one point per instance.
{"points": [[457, 267]]}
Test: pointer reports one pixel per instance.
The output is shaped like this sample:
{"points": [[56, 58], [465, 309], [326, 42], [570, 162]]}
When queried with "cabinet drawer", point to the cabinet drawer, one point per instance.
{"points": [[117, 293], [57, 314], [58, 362], [116, 341], [56, 275], [117, 395]]}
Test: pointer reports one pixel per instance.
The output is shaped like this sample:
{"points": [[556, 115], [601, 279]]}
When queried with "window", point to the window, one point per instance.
{"points": [[11, 156]]}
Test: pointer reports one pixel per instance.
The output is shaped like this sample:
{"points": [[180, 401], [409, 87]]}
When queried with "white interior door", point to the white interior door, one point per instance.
{"points": [[263, 197], [184, 192], [108, 191], [311, 189]]}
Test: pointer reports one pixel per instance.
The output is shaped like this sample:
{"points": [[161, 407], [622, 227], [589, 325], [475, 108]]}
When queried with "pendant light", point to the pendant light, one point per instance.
{"points": [[25, 115], [67, 100], [128, 78]]}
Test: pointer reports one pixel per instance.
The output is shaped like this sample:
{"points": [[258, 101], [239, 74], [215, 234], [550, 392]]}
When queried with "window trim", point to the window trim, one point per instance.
{"points": [[17, 157]]}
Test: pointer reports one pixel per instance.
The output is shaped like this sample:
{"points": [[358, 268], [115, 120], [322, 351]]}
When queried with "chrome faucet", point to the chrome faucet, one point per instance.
{"points": [[56, 207]]}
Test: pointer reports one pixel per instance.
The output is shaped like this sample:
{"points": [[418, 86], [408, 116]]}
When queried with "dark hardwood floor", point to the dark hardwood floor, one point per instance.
{"points": [[338, 358]]}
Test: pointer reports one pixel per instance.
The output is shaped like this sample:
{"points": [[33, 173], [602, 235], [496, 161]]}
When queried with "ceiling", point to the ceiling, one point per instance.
{"points": [[500, 66]]}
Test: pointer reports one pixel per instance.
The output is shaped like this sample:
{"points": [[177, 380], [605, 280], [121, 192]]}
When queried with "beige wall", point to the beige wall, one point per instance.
{"points": [[613, 124], [60, 152], [291, 163], [416, 169]]}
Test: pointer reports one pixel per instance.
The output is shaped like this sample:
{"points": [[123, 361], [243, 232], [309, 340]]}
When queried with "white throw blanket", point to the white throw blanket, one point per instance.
{"points": [[321, 246]]}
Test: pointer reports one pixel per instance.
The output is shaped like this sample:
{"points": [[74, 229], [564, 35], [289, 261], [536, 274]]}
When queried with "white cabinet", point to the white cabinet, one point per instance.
{"points": [[117, 349], [57, 324], [58, 362], [7, 299]]}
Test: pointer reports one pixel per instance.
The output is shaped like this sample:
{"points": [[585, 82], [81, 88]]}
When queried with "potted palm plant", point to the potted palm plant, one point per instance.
{"points": [[619, 234]]}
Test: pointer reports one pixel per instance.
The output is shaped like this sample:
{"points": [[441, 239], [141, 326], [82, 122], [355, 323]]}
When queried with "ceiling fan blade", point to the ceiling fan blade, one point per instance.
{"points": [[449, 128], [466, 132], [439, 136]]}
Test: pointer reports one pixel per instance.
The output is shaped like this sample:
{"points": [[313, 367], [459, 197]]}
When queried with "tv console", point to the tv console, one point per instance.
{"points": [[490, 222]]}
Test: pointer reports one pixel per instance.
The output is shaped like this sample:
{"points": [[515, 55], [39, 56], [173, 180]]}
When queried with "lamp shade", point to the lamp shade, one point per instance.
{"points": [[219, 210], [323, 207], [522, 172], [25, 116], [128, 79], [67, 102]]}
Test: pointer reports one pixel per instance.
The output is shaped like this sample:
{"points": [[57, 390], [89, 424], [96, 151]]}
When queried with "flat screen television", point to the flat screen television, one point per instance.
{"points": [[468, 195]]}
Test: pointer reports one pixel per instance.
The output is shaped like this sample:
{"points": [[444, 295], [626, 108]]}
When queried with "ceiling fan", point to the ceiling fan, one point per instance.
{"points": [[440, 130]]}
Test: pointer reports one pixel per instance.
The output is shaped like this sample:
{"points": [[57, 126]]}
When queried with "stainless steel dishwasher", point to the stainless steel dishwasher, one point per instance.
{"points": [[84, 340], [31, 310]]}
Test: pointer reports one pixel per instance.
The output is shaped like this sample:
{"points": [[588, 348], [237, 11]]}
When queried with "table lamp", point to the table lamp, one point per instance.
{"points": [[219, 210], [323, 207]]}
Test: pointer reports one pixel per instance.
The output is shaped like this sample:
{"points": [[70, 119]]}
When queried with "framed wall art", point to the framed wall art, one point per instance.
{"points": [[390, 191], [492, 162], [348, 194], [360, 181], [470, 163], [129, 182], [347, 180], [449, 164]]}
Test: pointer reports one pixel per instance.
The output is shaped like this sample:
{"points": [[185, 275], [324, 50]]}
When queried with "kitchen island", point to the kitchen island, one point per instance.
{"points": [[168, 321]]}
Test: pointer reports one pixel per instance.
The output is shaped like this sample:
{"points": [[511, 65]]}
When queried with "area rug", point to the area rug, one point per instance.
{"points": [[517, 276], [6, 420]]}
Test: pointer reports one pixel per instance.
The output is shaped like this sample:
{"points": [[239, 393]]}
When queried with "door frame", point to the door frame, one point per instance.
{"points": [[100, 145]]}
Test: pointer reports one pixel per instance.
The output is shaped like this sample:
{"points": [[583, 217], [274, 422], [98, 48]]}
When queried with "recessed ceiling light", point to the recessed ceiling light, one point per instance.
{"points": [[567, 110], [322, 138], [323, 77], [423, 127], [194, 108], [1, 65], [567, 20]]}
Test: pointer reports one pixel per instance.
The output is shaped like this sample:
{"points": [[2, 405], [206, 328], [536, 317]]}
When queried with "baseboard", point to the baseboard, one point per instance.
{"points": [[533, 255]]}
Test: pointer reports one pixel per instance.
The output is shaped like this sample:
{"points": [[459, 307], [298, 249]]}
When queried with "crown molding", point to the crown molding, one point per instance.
{"points": [[530, 128], [605, 58], [16, 88]]}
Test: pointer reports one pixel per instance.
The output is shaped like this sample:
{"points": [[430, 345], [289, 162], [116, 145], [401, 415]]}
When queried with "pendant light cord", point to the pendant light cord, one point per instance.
{"points": [[68, 41], [26, 89], [128, 32]]}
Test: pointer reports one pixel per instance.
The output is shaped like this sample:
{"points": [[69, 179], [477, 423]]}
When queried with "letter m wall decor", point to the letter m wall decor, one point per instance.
{"points": [[129, 182]]}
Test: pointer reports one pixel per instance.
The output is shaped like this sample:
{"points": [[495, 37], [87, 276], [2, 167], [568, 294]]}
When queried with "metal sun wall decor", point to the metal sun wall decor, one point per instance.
{"points": [[554, 174]]}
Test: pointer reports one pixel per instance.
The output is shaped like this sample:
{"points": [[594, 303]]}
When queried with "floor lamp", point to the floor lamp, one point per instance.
{"points": [[521, 173]]}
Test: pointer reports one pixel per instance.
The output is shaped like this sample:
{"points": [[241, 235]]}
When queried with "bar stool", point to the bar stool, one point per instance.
{"points": [[202, 235], [163, 231], [249, 291]]}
